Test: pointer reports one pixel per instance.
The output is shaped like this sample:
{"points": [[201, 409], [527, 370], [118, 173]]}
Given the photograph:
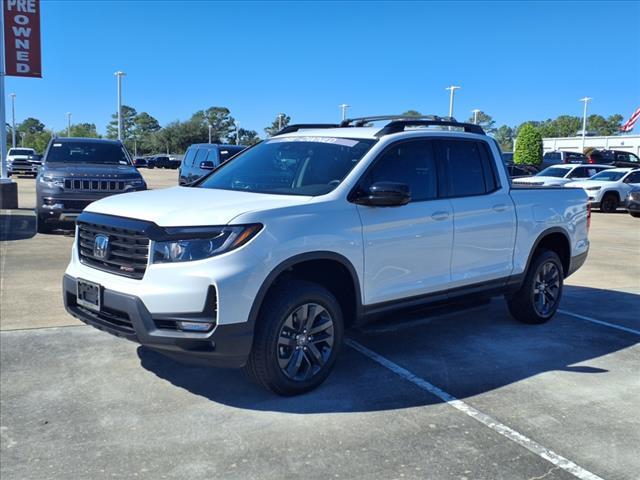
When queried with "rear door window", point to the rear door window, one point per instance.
{"points": [[466, 169], [189, 156]]}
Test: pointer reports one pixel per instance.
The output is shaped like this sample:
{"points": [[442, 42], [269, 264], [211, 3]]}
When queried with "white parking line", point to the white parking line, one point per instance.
{"points": [[599, 322], [531, 445]]}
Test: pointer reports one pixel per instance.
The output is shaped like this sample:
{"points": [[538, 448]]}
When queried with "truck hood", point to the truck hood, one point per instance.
{"points": [[187, 206], [79, 170]]}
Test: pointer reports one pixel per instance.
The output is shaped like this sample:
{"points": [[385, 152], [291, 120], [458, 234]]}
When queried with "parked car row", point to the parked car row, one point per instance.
{"points": [[158, 161], [616, 158]]}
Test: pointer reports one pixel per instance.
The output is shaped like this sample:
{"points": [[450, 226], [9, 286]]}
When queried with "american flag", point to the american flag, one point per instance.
{"points": [[628, 126]]}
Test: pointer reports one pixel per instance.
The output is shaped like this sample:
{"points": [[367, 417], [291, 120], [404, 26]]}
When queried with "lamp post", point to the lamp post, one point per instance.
{"points": [[280, 115], [475, 115], [22, 134], [586, 100], [237, 132], [344, 107], [452, 89], [68, 124], [13, 119], [119, 74], [210, 128]]}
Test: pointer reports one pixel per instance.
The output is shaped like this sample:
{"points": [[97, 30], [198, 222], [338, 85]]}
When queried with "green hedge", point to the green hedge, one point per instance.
{"points": [[528, 146]]}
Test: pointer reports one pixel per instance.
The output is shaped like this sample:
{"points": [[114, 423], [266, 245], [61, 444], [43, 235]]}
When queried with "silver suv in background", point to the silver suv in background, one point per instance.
{"points": [[201, 158]]}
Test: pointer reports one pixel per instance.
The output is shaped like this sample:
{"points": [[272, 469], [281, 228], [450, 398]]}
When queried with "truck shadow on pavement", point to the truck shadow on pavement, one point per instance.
{"points": [[465, 353]]}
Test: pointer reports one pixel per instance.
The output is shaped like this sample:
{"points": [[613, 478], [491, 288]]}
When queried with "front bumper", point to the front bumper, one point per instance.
{"points": [[126, 316], [31, 169]]}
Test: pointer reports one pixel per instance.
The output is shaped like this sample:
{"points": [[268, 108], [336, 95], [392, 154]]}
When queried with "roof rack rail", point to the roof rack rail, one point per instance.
{"points": [[362, 121], [399, 126], [305, 126]]}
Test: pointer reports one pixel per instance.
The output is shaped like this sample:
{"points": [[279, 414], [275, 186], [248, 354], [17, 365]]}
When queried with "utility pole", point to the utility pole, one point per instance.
{"points": [[13, 119], [344, 107], [586, 100], [452, 89], [68, 124], [119, 74], [475, 115]]}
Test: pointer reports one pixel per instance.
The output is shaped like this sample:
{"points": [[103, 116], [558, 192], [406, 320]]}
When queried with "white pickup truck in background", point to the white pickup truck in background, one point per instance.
{"points": [[264, 262]]}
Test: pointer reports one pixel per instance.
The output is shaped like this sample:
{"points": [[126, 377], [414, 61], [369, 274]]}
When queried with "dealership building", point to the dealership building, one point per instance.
{"points": [[627, 143]]}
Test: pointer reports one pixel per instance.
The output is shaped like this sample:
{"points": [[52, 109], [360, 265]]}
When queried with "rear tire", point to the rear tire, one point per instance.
{"points": [[609, 203], [539, 296], [297, 338], [635, 214]]}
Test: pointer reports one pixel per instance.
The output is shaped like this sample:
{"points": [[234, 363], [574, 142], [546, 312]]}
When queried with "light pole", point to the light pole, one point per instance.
{"points": [[280, 115], [13, 119], [584, 118], [452, 89], [135, 146], [22, 134], [237, 132], [210, 127], [68, 124], [344, 107], [475, 115], [119, 74]]}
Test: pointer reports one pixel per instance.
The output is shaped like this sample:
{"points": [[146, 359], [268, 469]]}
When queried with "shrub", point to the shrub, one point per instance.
{"points": [[528, 146]]}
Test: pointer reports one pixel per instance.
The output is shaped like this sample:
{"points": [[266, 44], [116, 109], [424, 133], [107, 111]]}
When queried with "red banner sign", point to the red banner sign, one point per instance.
{"points": [[22, 38]]}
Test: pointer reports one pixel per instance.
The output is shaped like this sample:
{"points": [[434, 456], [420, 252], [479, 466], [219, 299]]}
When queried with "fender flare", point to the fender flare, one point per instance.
{"points": [[297, 259]]}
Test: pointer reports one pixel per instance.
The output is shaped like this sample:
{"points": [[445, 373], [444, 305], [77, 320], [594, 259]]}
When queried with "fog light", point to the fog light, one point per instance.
{"points": [[195, 326]]}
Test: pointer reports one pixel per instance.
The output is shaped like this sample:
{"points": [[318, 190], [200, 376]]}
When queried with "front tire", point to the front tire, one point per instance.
{"points": [[539, 296], [297, 338], [43, 226], [609, 203]]}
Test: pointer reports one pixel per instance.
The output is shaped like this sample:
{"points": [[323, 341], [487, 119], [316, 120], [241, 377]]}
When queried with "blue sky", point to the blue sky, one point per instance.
{"points": [[515, 60]]}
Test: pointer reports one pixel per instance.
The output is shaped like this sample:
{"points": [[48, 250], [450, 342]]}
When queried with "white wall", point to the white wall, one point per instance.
{"points": [[627, 143]]}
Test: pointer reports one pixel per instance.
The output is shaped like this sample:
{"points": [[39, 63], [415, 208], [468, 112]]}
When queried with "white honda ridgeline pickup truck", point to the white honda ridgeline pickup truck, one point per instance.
{"points": [[264, 262]]}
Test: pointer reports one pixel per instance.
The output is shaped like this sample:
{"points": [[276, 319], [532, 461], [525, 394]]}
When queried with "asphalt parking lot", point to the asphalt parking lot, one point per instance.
{"points": [[465, 395]]}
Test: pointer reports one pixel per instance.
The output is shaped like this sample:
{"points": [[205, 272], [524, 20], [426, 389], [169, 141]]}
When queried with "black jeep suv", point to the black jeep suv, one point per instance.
{"points": [[78, 171]]}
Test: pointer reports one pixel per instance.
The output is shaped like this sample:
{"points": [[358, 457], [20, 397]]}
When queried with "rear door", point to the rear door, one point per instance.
{"points": [[484, 221], [407, 249]]}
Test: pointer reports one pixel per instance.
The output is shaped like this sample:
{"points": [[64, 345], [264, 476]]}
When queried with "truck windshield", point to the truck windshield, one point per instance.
{"points": [[608, 176], [87, 152], [553, 172], [291, 166], [20, 151]]}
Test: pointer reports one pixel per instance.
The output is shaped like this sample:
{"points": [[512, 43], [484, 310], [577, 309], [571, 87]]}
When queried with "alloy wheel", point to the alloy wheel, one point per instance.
{"points": [[305, 342], [546, 289]]}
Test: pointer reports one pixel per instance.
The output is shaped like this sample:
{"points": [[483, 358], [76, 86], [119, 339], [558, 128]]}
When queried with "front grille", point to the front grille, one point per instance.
{"points": [[94, 184], [127, 252], [108, 317], [70, 205]]}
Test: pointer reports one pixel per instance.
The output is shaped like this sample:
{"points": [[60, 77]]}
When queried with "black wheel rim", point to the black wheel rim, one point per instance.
{"points": [[546, 289], [305, 342]]}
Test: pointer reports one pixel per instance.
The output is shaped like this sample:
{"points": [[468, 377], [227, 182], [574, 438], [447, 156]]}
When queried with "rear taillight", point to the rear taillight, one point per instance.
{"points": [[588, 216], [591, 160]]}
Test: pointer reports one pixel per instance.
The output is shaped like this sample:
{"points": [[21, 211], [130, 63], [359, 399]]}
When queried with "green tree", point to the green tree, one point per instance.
{"points": [[141, 140], [485, 121], [604, 126], [504, 136], [220, 119], [528, 145], [245, 137], [411, 113], [30, 125], [128, 123], [281, 121], [85, 130]]}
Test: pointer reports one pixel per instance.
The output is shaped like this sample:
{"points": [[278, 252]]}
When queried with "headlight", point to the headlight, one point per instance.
{"points": [[137, 182], [593, 188], [198, 243], [55, 181], [634, 195]]}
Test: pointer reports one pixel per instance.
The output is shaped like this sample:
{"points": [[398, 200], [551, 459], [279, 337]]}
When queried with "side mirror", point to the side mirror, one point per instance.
{"points": [[385, 194], [207, 165]]}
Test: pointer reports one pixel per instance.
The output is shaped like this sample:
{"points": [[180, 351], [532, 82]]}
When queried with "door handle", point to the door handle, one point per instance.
{"points": [[439, 216], [501, 207]]}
